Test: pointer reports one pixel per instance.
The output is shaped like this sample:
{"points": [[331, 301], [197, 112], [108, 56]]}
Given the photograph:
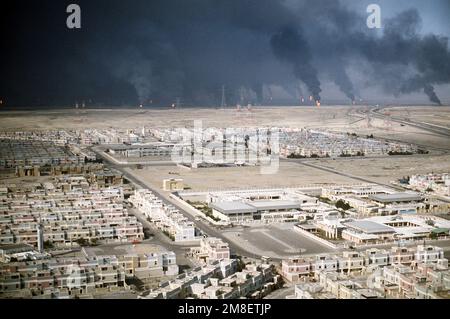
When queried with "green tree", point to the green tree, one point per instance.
{"points": [[82, 242], [342, 205]]}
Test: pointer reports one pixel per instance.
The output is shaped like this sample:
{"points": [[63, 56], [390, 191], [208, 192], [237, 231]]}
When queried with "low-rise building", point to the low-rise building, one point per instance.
{"points": [[211, 249], [165, 217]]}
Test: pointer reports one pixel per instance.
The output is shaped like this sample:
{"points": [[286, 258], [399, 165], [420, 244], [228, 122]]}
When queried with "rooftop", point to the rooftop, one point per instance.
{"points": [[233, 207], [15, 248], [397, 197], [275, 204], [369, 227]]}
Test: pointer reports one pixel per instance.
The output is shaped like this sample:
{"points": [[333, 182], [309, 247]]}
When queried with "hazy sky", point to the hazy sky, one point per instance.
{"points": [[155, 52]]}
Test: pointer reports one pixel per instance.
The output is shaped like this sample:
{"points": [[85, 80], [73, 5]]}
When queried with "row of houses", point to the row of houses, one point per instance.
{"points": [[75, 138], [57, 137], [166, 217], [424, 281], [219, 280], [108, 136], [438, 183], [293, 269], [15, 153], [308, 143], [68, 210], [81, 276]]}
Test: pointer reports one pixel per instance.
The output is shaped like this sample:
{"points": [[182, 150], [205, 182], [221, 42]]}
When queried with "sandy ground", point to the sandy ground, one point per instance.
{"points": [[204, 179], [437, 116], [384, 170]]}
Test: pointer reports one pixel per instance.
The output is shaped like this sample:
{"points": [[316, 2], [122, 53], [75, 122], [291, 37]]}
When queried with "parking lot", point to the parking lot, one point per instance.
{"points": [[275, 241]]}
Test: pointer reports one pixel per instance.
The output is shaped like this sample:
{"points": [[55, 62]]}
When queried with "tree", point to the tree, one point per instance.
{"points": [[82, 242], [342, 205], [48, 244]]}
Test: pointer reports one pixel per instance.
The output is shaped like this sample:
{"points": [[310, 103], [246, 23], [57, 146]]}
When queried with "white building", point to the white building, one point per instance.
{"points": [[165, 217]]}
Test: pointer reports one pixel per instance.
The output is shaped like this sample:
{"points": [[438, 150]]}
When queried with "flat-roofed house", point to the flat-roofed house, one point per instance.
{"points": [[294, 268]]}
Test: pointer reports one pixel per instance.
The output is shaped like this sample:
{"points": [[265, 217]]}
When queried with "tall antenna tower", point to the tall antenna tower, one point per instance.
{"points": [[40, 235], [223, 102]]}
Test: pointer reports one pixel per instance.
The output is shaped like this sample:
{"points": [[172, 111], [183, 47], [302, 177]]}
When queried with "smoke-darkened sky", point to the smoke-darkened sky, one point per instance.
{"points": [[261, 51]]}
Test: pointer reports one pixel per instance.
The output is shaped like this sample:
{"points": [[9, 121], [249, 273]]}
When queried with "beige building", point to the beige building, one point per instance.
{"points": [[173, 184]]}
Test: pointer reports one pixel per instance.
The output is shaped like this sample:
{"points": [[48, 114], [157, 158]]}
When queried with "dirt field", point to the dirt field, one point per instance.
{"points": [[203, 179], [436, 116], [338, 118], [384, 170]]}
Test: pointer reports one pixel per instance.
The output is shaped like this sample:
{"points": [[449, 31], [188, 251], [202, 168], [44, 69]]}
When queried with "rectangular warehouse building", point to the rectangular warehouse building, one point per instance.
{"points": [[237, 211]]}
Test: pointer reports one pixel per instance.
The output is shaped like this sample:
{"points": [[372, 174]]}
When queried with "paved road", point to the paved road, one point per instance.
{"points": [[278, 241], [433, 130], [439, 130], [281, 293], [204, 228]]}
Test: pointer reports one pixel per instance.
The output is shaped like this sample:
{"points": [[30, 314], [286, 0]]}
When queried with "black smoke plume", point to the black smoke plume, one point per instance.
{"points": [[289, 45], [162, 50]]}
